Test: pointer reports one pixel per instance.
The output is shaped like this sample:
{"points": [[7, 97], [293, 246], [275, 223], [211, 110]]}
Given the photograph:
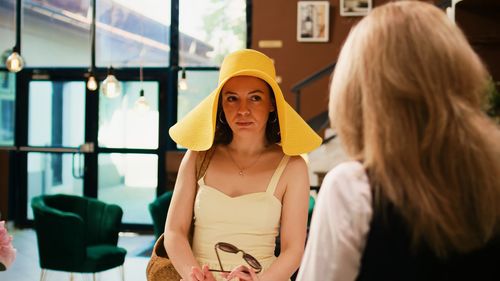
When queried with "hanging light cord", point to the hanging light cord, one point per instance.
{"points": [[141, 59], [92, 37], [141, 77]]}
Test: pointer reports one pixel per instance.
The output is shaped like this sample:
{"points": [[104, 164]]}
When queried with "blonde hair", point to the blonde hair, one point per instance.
{"points": [[405, 100]]}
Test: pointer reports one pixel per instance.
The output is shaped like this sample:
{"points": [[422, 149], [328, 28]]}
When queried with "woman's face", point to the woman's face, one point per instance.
{"points": [[246, 102]]}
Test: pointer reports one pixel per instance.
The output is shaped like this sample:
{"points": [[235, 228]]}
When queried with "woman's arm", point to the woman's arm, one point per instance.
{"points": [[293, 227], [179, 218]]}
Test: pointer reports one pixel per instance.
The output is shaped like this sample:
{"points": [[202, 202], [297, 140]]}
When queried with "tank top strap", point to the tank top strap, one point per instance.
{"points": [[277, 175]]}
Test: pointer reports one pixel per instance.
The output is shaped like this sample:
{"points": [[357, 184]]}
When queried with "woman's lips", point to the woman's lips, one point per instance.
{"points": [[243, 124]]}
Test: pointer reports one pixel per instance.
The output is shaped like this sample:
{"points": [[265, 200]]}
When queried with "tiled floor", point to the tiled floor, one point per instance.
{"points": [[27, 268]]}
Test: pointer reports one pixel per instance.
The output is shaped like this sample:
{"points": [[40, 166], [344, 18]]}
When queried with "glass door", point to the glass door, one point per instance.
{"points": [[56, 131], [128, 150], [84, 143]]}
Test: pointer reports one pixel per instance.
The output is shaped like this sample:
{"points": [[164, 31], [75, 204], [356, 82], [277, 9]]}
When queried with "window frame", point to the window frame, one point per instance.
{"points": [[167, 78]]}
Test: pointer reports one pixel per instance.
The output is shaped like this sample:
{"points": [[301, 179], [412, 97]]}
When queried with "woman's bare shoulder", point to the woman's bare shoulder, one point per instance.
{"points": [[297, 163], [296, 175], [189, 159]]}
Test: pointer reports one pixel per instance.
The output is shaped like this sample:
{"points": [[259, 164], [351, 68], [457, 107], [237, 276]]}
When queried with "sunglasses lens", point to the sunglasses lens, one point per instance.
{"points": [[226, 247], [252, 262]]}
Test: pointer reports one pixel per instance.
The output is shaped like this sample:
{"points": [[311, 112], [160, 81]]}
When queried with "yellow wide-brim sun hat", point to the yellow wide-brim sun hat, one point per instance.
{"points": [[196, 130]]}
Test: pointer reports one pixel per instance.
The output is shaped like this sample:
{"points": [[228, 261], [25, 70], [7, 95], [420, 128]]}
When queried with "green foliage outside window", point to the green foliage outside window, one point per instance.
{"points": [[225, 30]]}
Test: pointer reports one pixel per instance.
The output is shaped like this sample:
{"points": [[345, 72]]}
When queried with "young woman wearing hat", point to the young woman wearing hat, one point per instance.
{"points": [[255, 184], [421, 200]]}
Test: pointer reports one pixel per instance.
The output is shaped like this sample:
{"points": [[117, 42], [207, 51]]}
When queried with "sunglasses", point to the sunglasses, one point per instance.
{"points": [[229, 248]]}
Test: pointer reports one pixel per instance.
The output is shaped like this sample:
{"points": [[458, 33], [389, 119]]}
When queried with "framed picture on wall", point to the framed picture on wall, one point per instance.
{"points": [[355, 7], [312, 21]]}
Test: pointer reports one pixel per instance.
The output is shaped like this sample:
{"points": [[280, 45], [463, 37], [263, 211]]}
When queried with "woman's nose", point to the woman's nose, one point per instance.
{"points": [[243, 108]]}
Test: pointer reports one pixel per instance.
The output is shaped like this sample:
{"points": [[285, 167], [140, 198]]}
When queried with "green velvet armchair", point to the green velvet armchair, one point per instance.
{"points": [[77, 234], [158, 210]]}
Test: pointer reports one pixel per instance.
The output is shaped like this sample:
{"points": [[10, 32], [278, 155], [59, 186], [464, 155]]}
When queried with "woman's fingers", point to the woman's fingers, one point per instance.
{"points": [[208, 275], [240, 275], [253, 274], [197, 273], [242, 272], [205, 269]]}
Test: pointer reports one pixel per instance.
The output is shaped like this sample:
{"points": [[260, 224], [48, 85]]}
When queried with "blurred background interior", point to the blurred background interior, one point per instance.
{"points": [[89, 88]]}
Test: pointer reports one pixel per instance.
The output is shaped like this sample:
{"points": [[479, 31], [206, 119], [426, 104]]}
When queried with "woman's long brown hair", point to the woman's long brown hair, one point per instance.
{"points": [[405, 100]]}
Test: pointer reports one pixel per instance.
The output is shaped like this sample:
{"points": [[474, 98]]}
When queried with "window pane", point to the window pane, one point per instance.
{"points": [[122, 124], [7, 28], [131, 33], [51, 173], [199, 85], [129, 180], [56, 113], [56, 33], [7, 107], [210, 29]]}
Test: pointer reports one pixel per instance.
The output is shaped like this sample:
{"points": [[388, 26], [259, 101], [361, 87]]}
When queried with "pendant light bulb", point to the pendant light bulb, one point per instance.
{"points": [[111, 87], [14, 62], [183, 85], [92, 83], [142, 103]]}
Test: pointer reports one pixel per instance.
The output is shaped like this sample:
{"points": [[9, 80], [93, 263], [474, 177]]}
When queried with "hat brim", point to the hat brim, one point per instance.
{"points": [[197, 129]]}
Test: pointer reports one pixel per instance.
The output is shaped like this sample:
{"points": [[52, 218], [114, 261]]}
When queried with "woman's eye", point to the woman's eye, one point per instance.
{"points": [[256, 98], [231, 98]]}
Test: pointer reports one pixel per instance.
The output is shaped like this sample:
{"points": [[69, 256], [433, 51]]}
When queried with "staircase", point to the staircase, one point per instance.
{"points": [[330, 153]]}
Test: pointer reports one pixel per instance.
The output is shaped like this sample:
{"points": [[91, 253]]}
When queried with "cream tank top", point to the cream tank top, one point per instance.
{"points": [[249, 222]]}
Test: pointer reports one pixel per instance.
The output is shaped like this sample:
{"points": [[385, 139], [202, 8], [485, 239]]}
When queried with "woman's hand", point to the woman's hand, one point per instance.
{"points": [[243, 273], [200, 274]]}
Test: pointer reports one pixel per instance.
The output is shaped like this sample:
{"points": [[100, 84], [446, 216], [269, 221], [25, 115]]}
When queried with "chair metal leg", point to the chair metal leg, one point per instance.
{"points": [[122, 270], [43, 274], [93, 276], [71, 276]]}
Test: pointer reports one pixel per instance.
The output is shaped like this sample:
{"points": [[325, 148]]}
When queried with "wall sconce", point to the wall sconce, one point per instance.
{"points": [[92, 84], [142, 104], [91, 81], [14, 62], [111, 87]]}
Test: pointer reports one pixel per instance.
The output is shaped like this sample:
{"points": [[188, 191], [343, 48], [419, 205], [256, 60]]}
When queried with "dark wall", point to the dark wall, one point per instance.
{"points": [[277, 20], [480, 21]]}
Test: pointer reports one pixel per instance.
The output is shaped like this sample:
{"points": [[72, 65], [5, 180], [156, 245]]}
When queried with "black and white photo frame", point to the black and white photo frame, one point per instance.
{"points": [[313, 21], [355, 7]]}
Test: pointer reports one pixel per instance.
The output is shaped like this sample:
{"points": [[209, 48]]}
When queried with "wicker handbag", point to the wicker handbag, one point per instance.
{"points": [[160, 268]]}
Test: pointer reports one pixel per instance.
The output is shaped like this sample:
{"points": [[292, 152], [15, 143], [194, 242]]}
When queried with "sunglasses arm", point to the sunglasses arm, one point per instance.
{"points": [[218, 258]]}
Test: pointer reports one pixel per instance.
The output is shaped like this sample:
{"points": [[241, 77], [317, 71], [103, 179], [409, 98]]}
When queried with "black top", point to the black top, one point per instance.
{"points": [[388, 255]]}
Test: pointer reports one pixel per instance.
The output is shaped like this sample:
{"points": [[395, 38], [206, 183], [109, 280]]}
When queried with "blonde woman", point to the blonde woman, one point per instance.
{"points": [[420, 200], [255, 185]]}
